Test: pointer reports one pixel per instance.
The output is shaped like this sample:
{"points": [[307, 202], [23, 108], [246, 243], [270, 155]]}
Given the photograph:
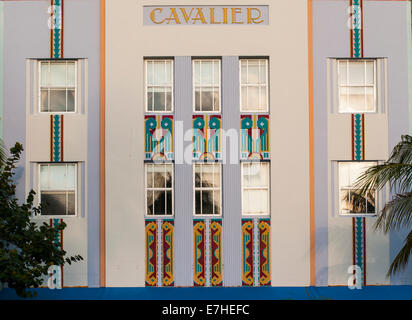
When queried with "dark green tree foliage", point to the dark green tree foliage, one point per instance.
{"points": [[397, 213], [27, 249]]}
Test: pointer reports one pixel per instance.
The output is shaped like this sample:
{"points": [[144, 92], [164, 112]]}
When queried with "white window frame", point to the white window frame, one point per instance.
{"points": [[76, 172], [243, 188], [58, 87], [357, 86], [146, 85], [220, 189], [194, 87], [338, 188], [159, 189], [254, 85]]}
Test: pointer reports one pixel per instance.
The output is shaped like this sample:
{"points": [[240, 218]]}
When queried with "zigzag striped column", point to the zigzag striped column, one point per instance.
{"points": [[207, 255], [159, 253], [56, 31], [358, 139]]}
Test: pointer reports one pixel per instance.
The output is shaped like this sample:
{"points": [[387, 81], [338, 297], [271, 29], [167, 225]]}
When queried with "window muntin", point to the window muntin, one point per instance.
{"points": [[207, 189], [254, 95], [58, 189], [357, 86], [57, 89], [159, 85], [159, 189], [350, 202], [255, 188], [206, 85]]}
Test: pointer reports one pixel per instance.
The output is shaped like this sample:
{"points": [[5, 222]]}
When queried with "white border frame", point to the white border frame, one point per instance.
{"points": [[267, 86], [157, 216], [337, 193], [145, 86], [200, 216], [375, 84], [194, 91], [76, 193], [76, 89], [268, 214]]}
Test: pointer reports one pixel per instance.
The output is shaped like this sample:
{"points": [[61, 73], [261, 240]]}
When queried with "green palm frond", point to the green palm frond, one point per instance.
{"points": [[396, 214], [402, 258], [3, 154]]}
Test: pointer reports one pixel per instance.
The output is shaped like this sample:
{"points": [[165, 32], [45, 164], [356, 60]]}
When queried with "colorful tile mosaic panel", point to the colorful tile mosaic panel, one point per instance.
{"points": [[159, 138], [254, 137], [159, 252], [207, 255], [256, 252], [207, 137]]}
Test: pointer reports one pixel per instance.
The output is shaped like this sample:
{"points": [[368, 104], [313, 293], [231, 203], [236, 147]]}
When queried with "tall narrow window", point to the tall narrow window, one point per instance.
{"points": [[159, 85], [57, 86], [255, 188], [350, 201], [357, 86], [58, 189], [159, 189], [207, 189], [254, 95], [206, 78]]}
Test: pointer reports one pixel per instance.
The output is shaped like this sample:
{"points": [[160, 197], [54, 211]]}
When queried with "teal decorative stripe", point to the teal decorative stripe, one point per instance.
{"points": [[356, 6], [56, 138], [57, 29]]}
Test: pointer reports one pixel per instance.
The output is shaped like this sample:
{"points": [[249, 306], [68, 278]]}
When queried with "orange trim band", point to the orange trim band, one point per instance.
{"points": [[102, 144], [311, 149]]}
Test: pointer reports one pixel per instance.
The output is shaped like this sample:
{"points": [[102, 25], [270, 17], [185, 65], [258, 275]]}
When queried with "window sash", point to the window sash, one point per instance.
{"points": [[152, 189], [67, 190], [202, 86], [49, 87], [263, 99], [165, 86], [246, 167], [215, 189], [341, 85]]}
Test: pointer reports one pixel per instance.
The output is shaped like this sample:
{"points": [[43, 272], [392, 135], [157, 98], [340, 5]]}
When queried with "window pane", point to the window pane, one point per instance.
{"points": [[253, 72], [255, 202], [253, 97], [216, 176], [149, 176], [243, 70], [342, 72], [207, 99], [71, 176], [169, 169], [53, 203], [44, 100], [216, 72], [370, 72], [244, 105], [263, 99], [159, 98], [58, 74], [344, 196], [57, 177], [71, 203], [207, 202], [58, 100], [370, 203], [149, 73], [262, 73], [206, 73], [207, 176], [159, 69], [216, 101], [370, 99], [159, 202], [197, 175], [159, 176], [357, 73], [168, 99], [169, 203], [216, 195], [44, 177], [197, 73], [197, 99], [71, 74], [197, 202], [70, 100], [150, 99], [44, 75], [149, 197]]}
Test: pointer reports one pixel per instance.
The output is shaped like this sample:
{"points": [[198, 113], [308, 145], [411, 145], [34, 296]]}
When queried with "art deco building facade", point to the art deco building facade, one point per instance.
{"points": [[211, 145]]}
